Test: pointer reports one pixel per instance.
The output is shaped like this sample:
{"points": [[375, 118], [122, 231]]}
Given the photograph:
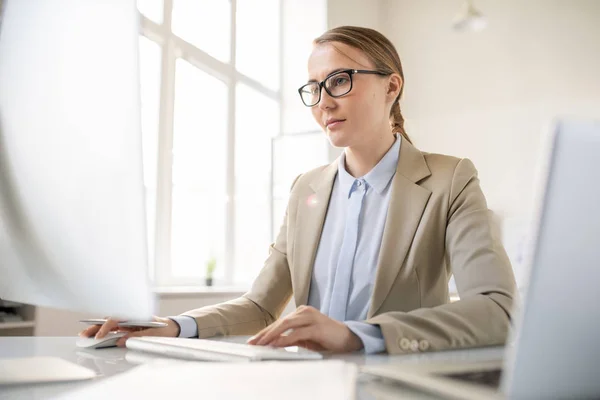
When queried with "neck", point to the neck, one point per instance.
{"points": [[362, 159]]}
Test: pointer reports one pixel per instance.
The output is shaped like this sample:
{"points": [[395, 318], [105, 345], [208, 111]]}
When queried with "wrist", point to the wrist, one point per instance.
{"points": [[355, 342], [174, 327]]}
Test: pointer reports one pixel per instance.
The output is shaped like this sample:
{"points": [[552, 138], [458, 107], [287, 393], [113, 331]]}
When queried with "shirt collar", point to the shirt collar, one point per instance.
{"points": [[379, 177]]}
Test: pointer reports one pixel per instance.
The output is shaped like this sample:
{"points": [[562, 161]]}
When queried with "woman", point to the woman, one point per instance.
{"points": [[369, 243]]}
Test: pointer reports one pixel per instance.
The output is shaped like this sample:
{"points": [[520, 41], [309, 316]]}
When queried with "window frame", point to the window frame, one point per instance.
{"points": [[172, 48]]}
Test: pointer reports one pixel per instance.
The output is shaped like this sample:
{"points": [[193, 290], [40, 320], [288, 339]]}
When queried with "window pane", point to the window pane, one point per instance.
{"points": [[293, 155], [257, 122], [151, 9], [199, 172], [150, 55], [304, 21], [205, 24], [197, 231], [260, 62]]}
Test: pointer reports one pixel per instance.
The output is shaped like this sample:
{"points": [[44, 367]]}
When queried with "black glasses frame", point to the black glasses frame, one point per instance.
{"points": [[350, 73]]}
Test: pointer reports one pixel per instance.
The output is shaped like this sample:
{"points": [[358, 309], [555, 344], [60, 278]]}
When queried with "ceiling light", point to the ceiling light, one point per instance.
{"points": [[470, 19]]}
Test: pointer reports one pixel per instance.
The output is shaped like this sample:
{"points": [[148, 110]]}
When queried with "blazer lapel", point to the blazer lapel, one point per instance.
{"points": [[407, 203], [309, 226]]}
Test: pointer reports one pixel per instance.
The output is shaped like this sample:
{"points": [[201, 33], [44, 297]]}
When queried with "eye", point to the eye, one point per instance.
{"points": [[339, 81]]}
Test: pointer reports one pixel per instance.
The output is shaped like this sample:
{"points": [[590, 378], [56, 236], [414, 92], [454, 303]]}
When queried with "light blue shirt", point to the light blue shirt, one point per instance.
{"points": [[370, 231], [373, 214]]}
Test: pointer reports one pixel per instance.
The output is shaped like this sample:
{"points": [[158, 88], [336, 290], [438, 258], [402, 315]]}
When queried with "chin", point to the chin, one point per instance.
{"points": [[338, 138]]}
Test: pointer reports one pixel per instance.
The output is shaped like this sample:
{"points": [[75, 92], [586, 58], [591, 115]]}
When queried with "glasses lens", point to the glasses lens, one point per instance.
{"points": [[310, 93], [339, 84]]}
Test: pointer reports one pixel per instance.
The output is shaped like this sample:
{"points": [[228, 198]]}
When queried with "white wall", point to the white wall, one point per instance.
{"points": [[491, 96], [365, 13]]}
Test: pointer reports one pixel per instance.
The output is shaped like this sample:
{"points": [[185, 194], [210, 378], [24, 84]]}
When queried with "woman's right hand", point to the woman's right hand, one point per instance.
{"points": [[99, 331]]}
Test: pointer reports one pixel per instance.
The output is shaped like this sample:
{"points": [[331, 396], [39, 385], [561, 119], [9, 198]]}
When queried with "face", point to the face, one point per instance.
{"points": [[360, 116]]}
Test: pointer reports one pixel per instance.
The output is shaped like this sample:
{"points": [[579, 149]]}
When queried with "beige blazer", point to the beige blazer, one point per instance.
{"points": [[437, 224]]}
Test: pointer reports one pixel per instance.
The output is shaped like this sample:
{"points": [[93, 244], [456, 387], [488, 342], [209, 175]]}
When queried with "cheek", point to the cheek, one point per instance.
{"points": [[370, 105], [317, 113], [362, 107]]}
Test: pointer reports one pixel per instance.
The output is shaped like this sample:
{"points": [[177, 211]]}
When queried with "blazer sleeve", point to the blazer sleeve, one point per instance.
{"points": [[263, 304], [483, 275]]}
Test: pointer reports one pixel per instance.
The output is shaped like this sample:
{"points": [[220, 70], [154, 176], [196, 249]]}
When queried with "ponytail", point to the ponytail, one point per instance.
{"points": [[397, 121]]}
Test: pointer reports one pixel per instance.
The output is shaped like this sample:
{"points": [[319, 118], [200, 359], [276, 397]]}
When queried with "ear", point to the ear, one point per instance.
{"points": [[394, 87]]}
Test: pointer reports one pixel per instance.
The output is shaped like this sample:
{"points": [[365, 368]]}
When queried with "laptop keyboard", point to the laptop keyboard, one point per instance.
{"points": [[489, 378]]}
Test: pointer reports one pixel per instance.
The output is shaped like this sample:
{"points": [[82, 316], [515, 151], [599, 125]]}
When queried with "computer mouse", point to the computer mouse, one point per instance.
{"points": [[110, 340]]}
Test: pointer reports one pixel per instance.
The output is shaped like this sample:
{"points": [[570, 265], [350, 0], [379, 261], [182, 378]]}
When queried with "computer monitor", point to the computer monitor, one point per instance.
{"points": [[72, 209], [562, 292]]}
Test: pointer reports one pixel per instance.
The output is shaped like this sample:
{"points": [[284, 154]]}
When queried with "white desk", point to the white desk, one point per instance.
{"points": [[107, 362]]}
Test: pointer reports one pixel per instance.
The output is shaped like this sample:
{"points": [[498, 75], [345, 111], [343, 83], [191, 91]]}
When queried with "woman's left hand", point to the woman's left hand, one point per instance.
{"points": [[311, 329]]}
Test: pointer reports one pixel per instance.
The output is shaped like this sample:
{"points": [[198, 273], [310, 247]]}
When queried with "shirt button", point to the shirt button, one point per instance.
{"points": [[359, 183], [423, 345]]}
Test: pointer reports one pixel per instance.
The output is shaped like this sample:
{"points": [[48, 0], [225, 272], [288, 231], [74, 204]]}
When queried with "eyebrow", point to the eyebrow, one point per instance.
{"points": [[329, 74]]}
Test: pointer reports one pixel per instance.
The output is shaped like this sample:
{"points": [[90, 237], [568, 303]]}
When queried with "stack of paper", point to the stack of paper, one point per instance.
{"points": [[171, 379]]}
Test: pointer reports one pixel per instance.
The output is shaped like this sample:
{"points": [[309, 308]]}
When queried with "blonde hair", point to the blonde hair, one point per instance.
{"points": [[381, 52]]}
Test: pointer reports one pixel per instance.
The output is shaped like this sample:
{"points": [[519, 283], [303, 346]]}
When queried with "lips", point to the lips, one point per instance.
{"points": [[333, 122]]}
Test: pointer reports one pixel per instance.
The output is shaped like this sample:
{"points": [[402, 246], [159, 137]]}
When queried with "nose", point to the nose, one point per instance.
{"points": [[327, 102]]}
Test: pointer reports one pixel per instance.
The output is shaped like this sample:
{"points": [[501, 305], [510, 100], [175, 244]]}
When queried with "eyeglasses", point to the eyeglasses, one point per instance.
{"points": [[337, 84]]}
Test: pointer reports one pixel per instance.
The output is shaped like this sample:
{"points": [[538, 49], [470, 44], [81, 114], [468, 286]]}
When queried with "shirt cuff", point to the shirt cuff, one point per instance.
{"points": [[187, 326], [370, 335]]}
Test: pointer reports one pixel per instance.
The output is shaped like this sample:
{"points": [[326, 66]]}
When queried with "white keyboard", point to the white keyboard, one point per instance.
{"points": [[212, 350]]}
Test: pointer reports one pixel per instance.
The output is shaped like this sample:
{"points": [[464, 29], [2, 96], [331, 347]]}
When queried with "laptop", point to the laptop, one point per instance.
{"points": [[555, 340]]}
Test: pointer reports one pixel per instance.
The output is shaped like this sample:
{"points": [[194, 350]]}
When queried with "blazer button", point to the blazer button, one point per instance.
{"points": [[423, 345], [414, 345], [404, 343]]}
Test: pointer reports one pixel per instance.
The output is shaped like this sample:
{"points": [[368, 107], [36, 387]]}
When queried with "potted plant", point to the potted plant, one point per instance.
{"points": [[210, 268]]}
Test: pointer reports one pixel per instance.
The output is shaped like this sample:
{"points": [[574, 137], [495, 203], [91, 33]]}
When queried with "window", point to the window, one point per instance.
{"points": [[150, 56], [151, 9], [198, 171], [206, 24], [254, 131], [258, 25], [213, 93]]}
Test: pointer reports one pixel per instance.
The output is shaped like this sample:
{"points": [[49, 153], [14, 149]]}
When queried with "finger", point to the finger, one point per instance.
{"points": [[297, 336], [89, 331], [92, 330], [310, 345], [293, 322], [266, 332], [143, 332], [254, 339], [121, 342], [109, 325], [130, 328]]}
